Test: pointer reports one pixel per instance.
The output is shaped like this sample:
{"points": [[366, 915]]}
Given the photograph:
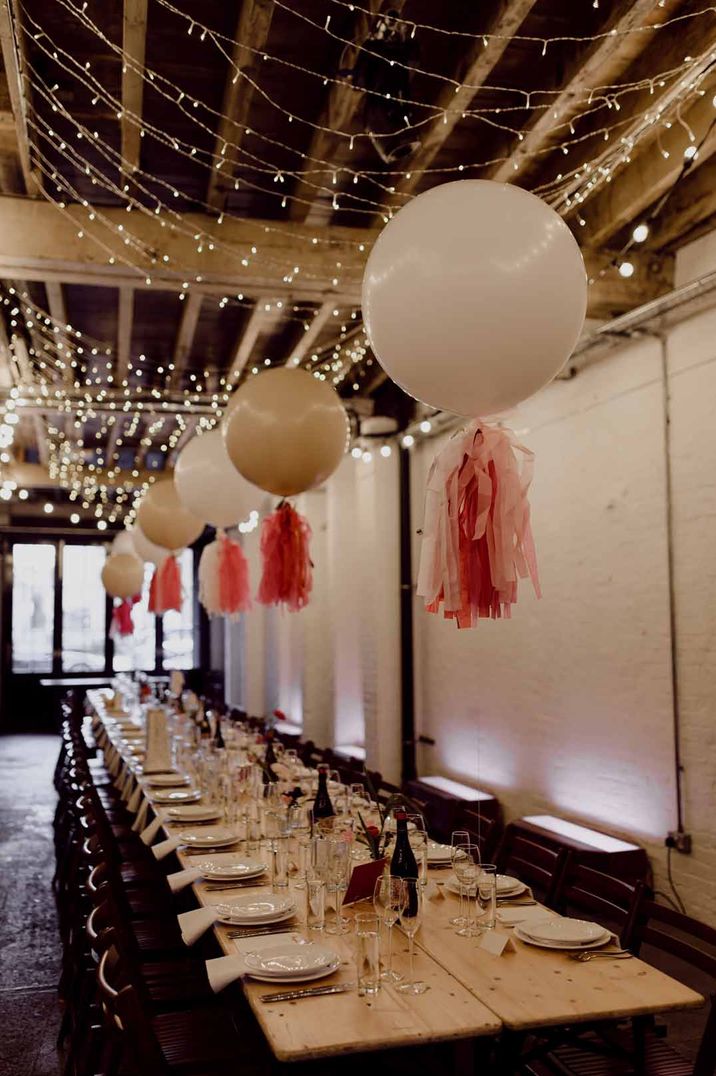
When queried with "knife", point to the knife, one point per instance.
{"points": [[282, 929], [312, 992], [234, 885]]}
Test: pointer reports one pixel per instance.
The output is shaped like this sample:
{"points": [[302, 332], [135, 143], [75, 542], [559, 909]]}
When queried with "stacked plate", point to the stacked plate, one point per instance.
{"points": [[219, 838], [177, 795], [439, 855], [250, 911], [507, 886], [193, 813], [168, 780], [563, 933], [213, 870], [292, 963]]}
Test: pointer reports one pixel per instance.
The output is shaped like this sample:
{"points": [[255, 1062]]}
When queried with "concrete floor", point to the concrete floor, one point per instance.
{"points": [[29, 945]]}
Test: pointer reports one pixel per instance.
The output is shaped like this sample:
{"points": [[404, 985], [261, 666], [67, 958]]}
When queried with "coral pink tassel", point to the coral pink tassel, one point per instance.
{"points": [[165, 591], [287, 575], [122, 623], [224, 578], [477, 537]]}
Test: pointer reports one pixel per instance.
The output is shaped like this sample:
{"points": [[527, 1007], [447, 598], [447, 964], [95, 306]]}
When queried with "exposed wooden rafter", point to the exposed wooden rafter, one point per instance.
{"points": [[601, 65], [689, 208], [312, 331], [18, 89], [134, 37], [265, 316], [185, 335], [344, 99], [252, 32], [125, 317], [475, 69]]}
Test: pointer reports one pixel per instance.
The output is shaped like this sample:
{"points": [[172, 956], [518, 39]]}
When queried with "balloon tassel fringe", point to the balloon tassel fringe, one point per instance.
{"points": [[287, 576], [224, 588], [165, 590], [477, 536]]}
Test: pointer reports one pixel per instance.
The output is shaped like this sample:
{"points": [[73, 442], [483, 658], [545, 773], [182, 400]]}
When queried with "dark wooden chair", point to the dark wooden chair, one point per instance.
{"points": [[539, 865], [588, 893], [485, 832]]}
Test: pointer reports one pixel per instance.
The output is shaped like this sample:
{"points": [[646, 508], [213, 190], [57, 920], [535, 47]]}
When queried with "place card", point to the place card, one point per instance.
{"points": [[363, 880], [497, 944]]}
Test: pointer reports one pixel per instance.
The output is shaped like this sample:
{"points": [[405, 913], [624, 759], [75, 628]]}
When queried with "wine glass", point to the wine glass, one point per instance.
{"points": [[410, 922], [459, 836], [418, 838], [389, 897], [339, 866], [466, 863]]}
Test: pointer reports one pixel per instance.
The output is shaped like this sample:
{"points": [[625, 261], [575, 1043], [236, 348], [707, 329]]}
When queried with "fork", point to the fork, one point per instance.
{"points": [[614, 954]]}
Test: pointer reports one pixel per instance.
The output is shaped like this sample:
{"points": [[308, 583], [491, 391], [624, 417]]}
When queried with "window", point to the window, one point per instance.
{"points": [[33, 607], [138, 651], [179, 627], [83, 609]]}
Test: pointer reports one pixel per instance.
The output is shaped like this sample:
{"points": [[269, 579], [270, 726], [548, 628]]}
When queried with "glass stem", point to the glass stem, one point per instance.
{"points": [[390, 948], [461, 906], [410, 950]]}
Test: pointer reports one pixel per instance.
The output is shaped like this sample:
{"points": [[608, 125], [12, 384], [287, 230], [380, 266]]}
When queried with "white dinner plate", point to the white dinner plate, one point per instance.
{"points": [[506, 886], [291, 958], [214, 871], [439, 853], [299, 977], [217, 839], [565, 931], [268, 908], [519, 932], [168, 780], [176, 795], [193, 813]]}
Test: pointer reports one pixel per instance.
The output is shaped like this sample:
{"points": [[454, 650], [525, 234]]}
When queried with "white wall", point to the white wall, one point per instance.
{"points": [[568, 706]]}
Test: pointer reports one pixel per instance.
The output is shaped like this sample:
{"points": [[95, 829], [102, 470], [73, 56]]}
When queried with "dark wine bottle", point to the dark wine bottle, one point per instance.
{"points": [[218, 735], [322, 806], [403, 864]]}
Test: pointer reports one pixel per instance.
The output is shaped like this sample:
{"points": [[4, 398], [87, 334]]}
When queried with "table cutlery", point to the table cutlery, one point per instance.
{"points": [[311, 992], [614, 954], [256, 932], [207, 851], [213, 888], [505, 902]]}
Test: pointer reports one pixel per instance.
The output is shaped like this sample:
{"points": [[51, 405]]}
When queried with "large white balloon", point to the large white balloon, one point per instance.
{"points": [[209, 485], [474, 296], [146, 550], [124, 543]]}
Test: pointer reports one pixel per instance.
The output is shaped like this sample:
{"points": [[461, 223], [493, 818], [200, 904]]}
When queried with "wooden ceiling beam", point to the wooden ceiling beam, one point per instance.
{"points": [[688, 208], [252, 32], [312, 330], [341, 107], [601, 65], [475, 69], [18, 89], [125, 320], [191, 309], [40, 244], [134, 39], [263, 319], [648, 175]]}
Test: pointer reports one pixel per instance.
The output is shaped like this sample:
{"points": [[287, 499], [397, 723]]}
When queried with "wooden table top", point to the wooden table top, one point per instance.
{"points": [[472, 993]]}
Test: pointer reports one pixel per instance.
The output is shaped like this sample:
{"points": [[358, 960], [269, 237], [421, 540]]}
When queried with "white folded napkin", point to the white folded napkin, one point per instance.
{"points": [[149, 833], [181, 879], [530, 913], [165, 848], [196, 922], [223, 970]]}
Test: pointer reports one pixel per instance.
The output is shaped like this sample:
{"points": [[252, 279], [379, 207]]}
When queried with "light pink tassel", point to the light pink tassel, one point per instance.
{"points": [[287, 576], [167, 586], [224, 578], [477, 537]]}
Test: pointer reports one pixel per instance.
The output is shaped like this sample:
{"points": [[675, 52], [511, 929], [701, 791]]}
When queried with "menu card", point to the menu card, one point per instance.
{"points": [[158, 754], [363, 880]]}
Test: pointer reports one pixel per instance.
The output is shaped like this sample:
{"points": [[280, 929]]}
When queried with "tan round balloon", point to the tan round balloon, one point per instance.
{"points": [[163, 519], [286, 431], [123, 575]]}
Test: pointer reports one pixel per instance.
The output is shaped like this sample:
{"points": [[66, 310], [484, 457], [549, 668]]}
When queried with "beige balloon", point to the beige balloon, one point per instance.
{"points": [[163, 519], [123, 575], [286, 431]]}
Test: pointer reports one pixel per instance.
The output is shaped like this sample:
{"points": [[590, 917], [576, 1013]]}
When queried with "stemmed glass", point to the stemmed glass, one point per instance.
{"points": [[410, 922], [466, 863], [339, 865], [389, 897], [418, 837], [459, 836]]}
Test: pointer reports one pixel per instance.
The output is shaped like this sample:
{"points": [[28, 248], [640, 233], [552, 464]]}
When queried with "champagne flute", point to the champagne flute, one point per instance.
{"points": [[410, 922], [339, 865], [389, 897], [467, 868], [459, 836]]}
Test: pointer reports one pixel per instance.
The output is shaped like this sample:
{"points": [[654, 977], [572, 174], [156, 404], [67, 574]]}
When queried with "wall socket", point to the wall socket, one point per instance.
{"points": [[680, 841]]}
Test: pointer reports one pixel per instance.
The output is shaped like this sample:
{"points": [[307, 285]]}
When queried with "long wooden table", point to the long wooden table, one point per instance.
{"points": [[471, 992]]}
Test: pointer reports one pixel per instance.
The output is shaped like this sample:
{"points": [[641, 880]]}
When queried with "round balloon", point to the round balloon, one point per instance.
{"points": [[286, 431], [164, 520], [123, 543], [146, 550], [474, 296], [209, 485], [123, 575]]}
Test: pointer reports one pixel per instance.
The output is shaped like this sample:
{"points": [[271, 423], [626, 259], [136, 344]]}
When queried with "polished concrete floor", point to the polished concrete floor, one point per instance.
{"points": [[29, 946]]}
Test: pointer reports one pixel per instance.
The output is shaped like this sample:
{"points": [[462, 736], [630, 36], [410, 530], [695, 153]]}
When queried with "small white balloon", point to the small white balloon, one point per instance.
{"points": [[146, 550], [124, 543], [474, 296], [208, 484]]}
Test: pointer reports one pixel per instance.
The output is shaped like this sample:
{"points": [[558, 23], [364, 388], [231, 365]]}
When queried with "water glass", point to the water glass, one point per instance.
{"points": [[466, 864], [459, 836], [339, 868], [279, 863], [315, 903], [367, 927], [487, 896]]}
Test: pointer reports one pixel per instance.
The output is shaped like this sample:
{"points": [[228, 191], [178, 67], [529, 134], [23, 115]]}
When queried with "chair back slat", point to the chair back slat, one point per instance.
{"points": [[611, 901]]}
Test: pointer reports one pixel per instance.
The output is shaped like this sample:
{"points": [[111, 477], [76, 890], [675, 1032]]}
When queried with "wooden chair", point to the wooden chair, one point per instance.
{"points": [[539, 865], [686, 948], [588, 893], [485, 832]]}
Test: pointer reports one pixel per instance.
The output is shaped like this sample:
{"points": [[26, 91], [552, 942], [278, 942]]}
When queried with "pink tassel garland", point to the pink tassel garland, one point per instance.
{"points": [[287, 575], [165, 588], [122, 623], [477, 537], [224, 578]]}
